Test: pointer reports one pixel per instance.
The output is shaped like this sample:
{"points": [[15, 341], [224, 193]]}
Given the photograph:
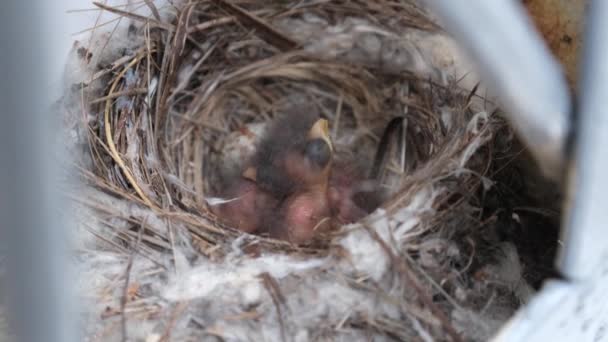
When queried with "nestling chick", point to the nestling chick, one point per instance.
{"points": [[245, 206], [292, 164], [293, 187], [306, 210], [346, 185], [278, 164], [283, 189]]}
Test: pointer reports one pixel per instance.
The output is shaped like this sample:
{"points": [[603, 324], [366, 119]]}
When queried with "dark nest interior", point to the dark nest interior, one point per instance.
{"points": [[468, 227]]}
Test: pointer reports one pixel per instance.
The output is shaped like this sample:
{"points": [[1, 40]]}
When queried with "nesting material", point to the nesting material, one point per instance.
{"points": [[166, 106]]}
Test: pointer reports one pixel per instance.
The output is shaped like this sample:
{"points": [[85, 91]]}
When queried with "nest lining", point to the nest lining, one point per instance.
{"points": [[427, 263]]}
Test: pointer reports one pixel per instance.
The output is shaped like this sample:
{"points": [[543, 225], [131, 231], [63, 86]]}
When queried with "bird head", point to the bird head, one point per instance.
{"points": [[296, 154]]}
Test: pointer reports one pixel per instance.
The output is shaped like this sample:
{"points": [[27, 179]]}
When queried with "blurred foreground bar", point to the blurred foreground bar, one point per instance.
{"points": [[36, 284], [585, 239]]}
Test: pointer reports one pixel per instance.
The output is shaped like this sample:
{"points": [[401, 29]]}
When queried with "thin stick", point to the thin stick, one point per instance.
{"points": [[269, 33], [408, 277], [134, 16], [125, 297], [153, 9], [128, 92], [113, 152]]}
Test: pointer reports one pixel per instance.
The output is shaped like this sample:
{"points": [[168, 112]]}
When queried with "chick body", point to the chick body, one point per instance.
{"points": [[291, 188], [246, 206]]}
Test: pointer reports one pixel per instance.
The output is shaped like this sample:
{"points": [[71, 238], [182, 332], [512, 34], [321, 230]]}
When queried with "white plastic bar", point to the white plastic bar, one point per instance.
{"points": [[563, 311], [586, 232], [37, 280], [515, 62]]}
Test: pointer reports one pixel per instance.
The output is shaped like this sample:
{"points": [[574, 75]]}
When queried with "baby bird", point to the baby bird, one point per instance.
{"points": [[245, 205], [292, 164], [283, 189], [306, 210], [346, 186], [293, 187], [278, 166]]}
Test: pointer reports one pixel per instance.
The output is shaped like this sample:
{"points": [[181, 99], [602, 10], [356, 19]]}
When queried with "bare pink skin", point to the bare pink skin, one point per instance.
{"points": [[300, 217], [245, 213], [340, 194], [304, 215], [321, 199], [302, 173], [309, 212], [343, 207]]}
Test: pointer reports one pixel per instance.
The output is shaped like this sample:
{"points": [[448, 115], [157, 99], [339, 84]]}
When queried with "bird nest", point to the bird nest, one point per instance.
{"points": [[174, 100]]}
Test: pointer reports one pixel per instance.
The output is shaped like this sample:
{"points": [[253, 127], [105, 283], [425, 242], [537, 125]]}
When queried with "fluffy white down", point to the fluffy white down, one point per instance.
{"points": [[366, 255]]}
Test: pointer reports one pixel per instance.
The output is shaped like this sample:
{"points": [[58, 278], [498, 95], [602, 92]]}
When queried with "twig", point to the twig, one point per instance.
{"points": [[269, 33], [181, 306], [134, 16], [114, 153], [153, 8], [210, 24], [404, 271], [128, 92], [125, 297], [277, 298]]}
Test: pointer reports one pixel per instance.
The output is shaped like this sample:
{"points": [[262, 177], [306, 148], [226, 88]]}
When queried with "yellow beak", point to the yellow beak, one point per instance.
{"points": [[251, 174], [320, 130]]}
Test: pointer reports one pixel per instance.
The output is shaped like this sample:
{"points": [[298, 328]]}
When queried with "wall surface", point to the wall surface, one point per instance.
{"points": [[561, 24]]}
